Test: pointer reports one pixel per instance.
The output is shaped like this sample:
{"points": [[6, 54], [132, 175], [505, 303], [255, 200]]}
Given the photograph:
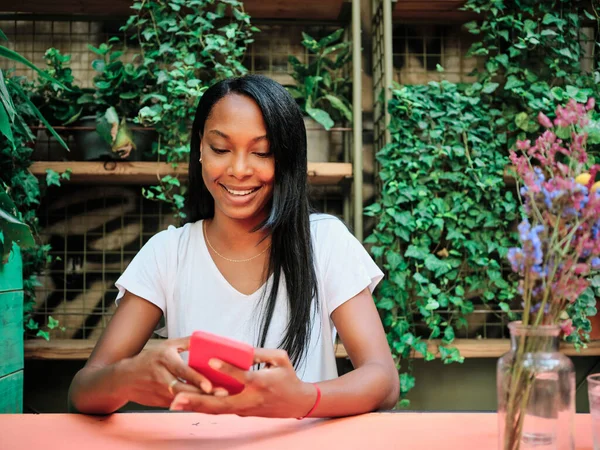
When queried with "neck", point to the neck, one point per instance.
{"points": [[236, 235]]}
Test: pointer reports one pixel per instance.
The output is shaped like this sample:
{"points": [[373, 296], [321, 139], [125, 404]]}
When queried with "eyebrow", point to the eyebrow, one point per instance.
{"points": [[223, 135]]}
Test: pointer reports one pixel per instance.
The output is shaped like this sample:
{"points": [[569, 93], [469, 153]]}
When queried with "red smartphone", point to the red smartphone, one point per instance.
{"points": [[205, 346]]}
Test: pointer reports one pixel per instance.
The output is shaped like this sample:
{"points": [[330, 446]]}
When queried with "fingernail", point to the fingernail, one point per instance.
{"points": [[221, 393], [179, 404], [215, 364], [206, 386]]}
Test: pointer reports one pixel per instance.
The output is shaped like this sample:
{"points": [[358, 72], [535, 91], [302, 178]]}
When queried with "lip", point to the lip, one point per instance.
{"points": [[239, 188], [240, 199]]}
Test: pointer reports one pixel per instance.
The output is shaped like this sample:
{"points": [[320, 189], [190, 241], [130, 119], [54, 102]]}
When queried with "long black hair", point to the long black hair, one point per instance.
{"points": [[288, 221]]}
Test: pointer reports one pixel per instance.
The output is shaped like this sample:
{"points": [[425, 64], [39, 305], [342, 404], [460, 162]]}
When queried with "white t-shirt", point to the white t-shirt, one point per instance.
{"points": [[175, 271]]}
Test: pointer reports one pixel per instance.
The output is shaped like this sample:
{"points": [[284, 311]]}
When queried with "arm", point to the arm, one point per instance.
{"points": [[117, 372], [374, 383], [276, 391]]}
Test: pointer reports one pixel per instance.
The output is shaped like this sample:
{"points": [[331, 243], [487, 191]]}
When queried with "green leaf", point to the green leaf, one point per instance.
{"points": [[52, 178], [416, 252], [321, 117], [566, 52], [333, 37], [52, 323], [407, 382], [512, 83], [393, 259], [340, 106], [43, 334], [436, 265], [522, 121], [6, 126], [490, 87]]}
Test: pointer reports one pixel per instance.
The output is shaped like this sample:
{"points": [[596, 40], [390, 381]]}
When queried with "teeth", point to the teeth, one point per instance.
{"points": [[232, 192]]}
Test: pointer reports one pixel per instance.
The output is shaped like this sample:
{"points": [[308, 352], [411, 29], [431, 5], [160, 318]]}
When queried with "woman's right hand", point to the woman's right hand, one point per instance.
{"points": [[155, 376]]}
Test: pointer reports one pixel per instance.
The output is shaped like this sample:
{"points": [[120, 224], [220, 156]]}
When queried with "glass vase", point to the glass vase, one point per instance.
{"points": [[536, 391]]}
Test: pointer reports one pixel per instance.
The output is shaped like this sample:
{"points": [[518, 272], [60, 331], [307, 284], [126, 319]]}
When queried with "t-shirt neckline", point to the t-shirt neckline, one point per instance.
{"points": [[220, 276]]}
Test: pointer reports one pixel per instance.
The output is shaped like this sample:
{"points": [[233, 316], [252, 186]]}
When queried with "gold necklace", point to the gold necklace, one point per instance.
{"points": [[225, 258]]}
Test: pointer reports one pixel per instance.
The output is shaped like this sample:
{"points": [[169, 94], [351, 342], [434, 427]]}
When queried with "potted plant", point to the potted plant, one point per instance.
{"points": [[322, 91], [59, 99], [122, 89]]}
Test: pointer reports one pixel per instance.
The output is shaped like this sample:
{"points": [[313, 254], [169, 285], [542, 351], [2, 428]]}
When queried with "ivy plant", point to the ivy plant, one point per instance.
{"points": [[531, 58], [443, 220], [532, 62], [185, 46], [444, 217]]}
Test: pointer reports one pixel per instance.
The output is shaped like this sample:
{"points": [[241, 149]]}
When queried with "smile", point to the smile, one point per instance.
{"points": [[239, 192]]}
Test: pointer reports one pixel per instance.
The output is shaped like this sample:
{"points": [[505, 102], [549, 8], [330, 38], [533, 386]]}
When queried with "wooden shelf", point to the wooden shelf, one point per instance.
{"points": [[258, 9], [79, 349], [124, 172], [431, 10]]}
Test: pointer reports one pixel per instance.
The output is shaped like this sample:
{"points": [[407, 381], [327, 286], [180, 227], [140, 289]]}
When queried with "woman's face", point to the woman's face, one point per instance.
{"points": [[238, 167]]}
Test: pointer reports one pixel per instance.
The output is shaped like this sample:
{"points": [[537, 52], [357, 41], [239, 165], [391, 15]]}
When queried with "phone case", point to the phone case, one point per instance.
{"points": [[205, 346]]}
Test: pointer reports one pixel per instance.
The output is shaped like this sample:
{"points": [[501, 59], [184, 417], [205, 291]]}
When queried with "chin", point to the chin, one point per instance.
{"points": [[244, 213]]}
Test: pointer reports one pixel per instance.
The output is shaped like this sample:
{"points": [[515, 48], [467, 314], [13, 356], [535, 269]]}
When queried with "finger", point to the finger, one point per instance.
{"points": [[201, 403], [185, 387], [180, 369], [273, 357], [181, 344], [230, 370]]}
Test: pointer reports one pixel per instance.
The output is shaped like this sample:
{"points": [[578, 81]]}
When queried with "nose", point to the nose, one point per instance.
{"points": [[240, 166]]}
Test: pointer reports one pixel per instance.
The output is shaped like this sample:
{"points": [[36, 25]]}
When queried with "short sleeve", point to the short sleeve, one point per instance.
{"points": [[147, 275], [347, 269]]}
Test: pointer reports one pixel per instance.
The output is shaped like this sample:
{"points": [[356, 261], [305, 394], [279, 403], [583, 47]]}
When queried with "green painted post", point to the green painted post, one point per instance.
{"points": [[11, 334]]}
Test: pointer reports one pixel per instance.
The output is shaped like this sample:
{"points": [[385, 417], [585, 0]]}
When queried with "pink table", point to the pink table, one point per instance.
{"points": [[409, 431]]}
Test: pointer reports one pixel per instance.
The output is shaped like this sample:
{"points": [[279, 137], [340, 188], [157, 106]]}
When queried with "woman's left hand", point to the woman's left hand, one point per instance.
{"points": [[272, 391]]}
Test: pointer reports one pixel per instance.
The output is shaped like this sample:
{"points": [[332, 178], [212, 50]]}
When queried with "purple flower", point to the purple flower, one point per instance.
{"points": [[516, 258], [595, 263]]}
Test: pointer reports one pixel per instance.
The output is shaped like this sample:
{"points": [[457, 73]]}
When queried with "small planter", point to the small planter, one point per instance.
{"points": [[318, 141], [89, 145], [11, 334]]}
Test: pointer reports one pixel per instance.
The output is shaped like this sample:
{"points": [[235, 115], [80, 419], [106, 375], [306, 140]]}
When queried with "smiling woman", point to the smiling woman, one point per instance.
{"points": [[252, 264]]}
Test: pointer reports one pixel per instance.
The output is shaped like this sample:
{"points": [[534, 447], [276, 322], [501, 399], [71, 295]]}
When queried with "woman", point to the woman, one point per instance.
{"points": [[251, 264]]}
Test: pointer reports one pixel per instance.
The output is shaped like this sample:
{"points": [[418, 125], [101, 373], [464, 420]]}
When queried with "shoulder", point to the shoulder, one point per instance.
{"points": [[328, 232], [170, 238], [326, 225]]}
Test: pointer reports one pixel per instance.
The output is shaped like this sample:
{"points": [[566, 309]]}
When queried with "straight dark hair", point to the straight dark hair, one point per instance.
{"points": [[288, 222]]}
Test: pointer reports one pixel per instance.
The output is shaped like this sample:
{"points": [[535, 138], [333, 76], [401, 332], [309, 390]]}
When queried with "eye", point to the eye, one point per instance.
{"points": [[218, 151], [263, 154]]}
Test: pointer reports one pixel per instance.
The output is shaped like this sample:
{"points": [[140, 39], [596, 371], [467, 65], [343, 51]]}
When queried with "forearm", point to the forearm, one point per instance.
{"points": [[368, 388], [99, 390]]}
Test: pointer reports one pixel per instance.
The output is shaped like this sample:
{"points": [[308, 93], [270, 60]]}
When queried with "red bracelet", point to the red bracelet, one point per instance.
{"points": [[315, 405]]}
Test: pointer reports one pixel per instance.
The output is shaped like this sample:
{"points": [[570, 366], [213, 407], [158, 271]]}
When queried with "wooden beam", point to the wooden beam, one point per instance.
{"points": [[444, 10], [80, 349], [258, 9], [125, 172]]}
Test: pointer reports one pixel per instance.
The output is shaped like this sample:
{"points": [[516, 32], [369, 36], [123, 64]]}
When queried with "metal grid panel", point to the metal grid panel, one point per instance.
{"points": [[419, 49], [94, 233], [31, 38], [379, 83]]}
